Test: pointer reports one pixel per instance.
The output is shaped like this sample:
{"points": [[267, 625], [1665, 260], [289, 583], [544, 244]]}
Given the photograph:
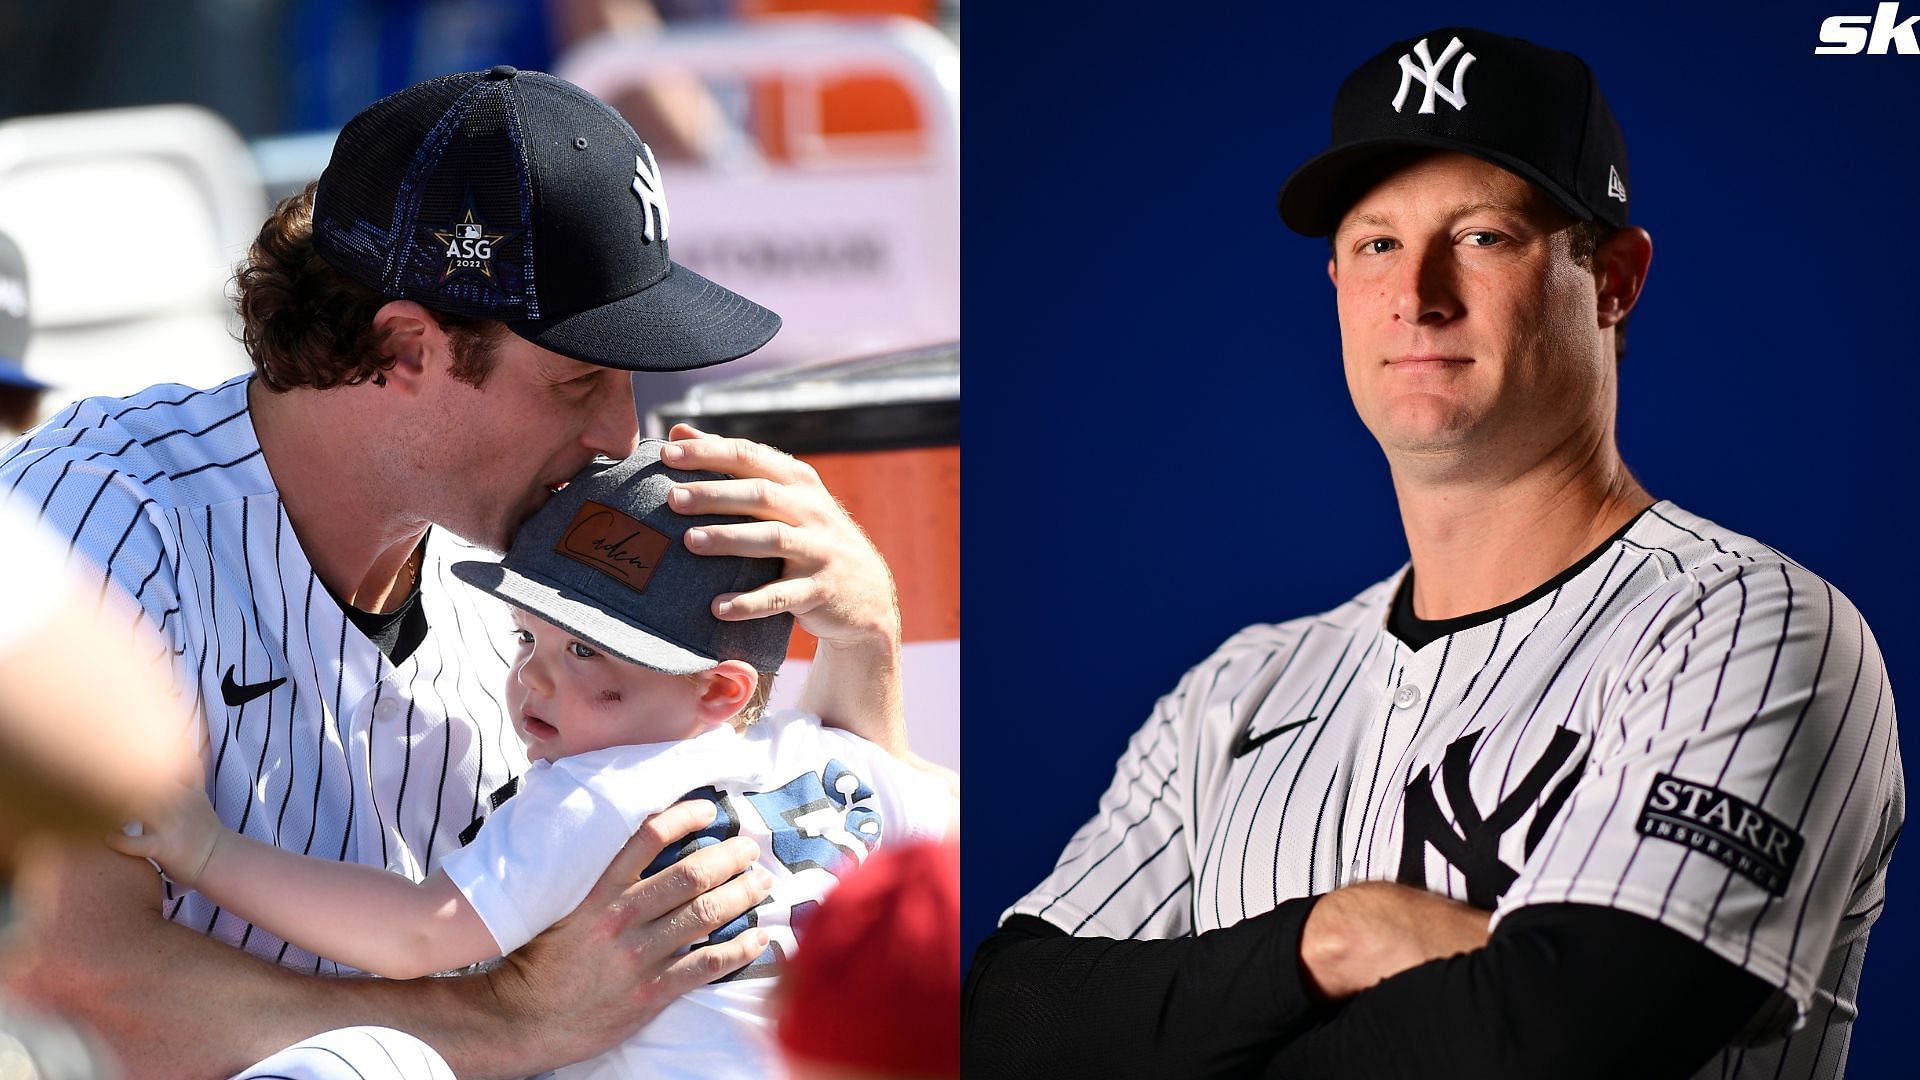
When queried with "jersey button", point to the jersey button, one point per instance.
{"points": [[1406, 697], [386, 710]]}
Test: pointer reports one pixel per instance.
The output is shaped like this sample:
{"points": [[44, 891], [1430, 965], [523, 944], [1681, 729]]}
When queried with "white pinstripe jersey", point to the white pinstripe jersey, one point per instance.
{"points": [[1689, 727], [166, 495]]}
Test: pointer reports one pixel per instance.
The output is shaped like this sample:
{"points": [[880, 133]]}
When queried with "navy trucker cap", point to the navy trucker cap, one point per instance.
{"points": [[1534, 111], [606, 560], [513, 195]]}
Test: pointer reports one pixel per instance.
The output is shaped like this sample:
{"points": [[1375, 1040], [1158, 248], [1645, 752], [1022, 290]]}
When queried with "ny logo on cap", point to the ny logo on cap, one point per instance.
{"points": [[652, 193], [1429, 73]]}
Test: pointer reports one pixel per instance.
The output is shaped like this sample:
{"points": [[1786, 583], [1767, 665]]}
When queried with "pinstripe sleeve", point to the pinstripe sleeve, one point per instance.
{"points": [[1741, 779], [78, 478], [1128, 872]]}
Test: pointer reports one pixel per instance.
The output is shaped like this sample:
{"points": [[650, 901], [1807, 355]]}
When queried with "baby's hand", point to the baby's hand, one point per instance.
{"points": [[179, 833]]}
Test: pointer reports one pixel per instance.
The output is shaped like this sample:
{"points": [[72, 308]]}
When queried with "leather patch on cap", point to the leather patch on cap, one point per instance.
{"points": [[614, 544]]}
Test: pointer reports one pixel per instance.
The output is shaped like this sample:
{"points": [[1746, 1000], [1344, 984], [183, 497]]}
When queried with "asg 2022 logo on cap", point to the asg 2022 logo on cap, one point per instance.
{"points": [[1429, 73], [469, 244]]}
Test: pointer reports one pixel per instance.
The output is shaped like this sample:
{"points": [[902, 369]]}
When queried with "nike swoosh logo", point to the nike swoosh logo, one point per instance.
{"points": [[237, 695], [1245, 745]]}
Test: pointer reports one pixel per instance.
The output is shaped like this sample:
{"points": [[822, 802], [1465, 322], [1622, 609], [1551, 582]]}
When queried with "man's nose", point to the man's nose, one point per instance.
{"points": [[1424, 291], [615, 428]]}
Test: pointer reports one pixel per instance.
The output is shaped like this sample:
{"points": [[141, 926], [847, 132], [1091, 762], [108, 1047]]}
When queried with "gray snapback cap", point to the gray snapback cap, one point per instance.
{"points": [[604, 560]]}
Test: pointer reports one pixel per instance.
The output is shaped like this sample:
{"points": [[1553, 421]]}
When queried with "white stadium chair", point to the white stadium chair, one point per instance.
{"points": [[853, 241], [131, 221]]}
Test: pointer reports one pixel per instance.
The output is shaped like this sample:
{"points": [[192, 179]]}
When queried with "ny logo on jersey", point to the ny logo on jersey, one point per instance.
{"points": [[1474, 849], [1429, 72], [652, 193]]}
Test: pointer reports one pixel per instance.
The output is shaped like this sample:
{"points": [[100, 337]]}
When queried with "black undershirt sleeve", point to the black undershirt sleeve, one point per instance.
{"points": [[1041, 1003], [1564, 990], [1561, 990]]}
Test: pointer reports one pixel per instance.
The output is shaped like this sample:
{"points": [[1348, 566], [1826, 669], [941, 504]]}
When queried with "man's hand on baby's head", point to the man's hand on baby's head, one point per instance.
{"points": [[617, 961], [835, 583]]}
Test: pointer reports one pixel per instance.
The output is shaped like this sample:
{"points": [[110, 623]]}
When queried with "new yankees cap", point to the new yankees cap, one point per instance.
{"points": [[605, 561], [513, 195], [1533, 111], [15, 325]]}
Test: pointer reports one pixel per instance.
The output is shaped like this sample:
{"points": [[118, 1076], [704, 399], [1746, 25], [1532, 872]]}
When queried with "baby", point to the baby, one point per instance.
{"points": [[630, 695]]}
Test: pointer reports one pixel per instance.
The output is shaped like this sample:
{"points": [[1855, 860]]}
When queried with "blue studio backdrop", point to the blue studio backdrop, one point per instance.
{"points": [[1160, 445]]}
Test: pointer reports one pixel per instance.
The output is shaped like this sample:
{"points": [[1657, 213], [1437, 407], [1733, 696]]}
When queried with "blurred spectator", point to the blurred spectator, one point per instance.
{"points": [[20, 393], [873, 991], [88, 722], [83, 734]]}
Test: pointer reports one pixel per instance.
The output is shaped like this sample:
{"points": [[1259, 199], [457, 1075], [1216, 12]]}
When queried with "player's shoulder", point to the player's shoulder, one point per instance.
{"points": [[170, 445], [1365, 613], [1717, 569]]}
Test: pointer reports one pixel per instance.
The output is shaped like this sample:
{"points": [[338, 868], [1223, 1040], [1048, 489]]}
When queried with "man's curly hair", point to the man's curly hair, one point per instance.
{"points": [[307, 325]]}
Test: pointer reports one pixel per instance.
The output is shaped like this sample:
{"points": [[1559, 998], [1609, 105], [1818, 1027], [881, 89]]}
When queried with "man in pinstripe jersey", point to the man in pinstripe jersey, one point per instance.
{"points": [[419, 361], [1593, 787]]}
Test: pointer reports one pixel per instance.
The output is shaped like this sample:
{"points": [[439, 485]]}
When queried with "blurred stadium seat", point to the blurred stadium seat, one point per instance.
{"points": [[130, 221], [852, 235]]}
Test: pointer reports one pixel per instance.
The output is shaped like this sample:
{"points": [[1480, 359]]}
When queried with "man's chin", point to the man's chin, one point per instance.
{"points": [[494, 537]]}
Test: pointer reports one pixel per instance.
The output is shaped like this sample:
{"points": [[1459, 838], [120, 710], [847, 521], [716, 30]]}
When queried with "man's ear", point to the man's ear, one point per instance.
{"points": [[1619, 271], [1333, 271], [412, 339], [725, 690]]}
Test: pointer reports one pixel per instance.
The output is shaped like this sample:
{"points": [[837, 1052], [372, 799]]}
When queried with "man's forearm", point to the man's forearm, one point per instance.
{"points": [[1562, 990], [92, 944], [857, 686], [1041, 1003], [1373, 930]]}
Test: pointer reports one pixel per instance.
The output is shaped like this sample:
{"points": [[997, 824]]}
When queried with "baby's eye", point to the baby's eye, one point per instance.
{"points": [[582, 651], [522, 637]]}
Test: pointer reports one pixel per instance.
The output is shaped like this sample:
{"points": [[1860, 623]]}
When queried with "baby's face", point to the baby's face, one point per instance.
{"points": [[567, 697]]}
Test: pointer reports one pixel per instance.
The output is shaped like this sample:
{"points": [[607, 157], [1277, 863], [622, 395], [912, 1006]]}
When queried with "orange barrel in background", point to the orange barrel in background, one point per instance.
{"points": [[884, 434]]}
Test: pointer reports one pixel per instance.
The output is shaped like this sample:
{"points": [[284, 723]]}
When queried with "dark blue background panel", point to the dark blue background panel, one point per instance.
{"points": [[1160, 446]]}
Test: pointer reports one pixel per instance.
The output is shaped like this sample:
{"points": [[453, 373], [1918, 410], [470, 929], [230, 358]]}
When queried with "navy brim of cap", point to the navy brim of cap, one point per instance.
{"points": [[14, 376], [1319, 192], [680, 322], [582, 619]]}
